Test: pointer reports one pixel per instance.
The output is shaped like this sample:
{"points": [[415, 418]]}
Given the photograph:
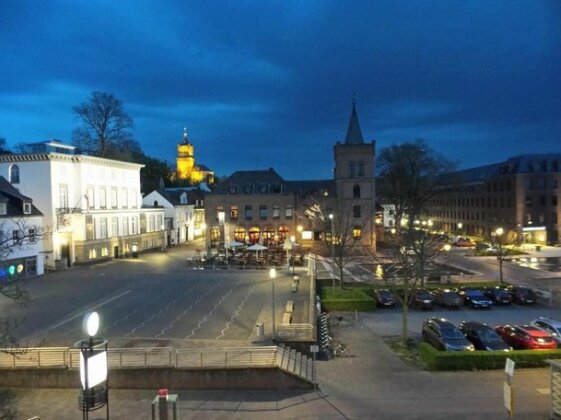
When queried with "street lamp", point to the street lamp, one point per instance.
{"points": [[293, 243], [331, 217], [272, 275], [500, 255], [221, 217], [163, 228]]}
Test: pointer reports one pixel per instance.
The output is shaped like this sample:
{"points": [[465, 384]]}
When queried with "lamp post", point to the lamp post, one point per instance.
{"points": [[221, 217], [293, 242], [163, 238], [500, 255], [460, 226], [332, 248], [272, 275]]}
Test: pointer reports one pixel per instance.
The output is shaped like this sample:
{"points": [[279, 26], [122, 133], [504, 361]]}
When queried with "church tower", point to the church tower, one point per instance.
{"points": [[354, 182], [185, 158]]}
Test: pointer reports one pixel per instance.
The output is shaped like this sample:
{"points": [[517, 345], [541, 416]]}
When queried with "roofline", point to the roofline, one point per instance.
{"points": [[61, 157]]}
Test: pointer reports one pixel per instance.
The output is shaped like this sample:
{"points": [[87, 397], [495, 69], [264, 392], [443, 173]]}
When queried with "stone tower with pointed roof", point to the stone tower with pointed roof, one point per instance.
{"points": [[185, 164], [354, 181]]}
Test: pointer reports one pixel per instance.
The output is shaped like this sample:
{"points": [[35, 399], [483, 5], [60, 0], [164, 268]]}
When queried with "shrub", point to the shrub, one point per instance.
{"points": [[480, 360], [347, 300]]}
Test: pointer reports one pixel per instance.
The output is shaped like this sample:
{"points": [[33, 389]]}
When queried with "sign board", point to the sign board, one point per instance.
{"points": [[509, 367], [314, 348], [96, 367]]}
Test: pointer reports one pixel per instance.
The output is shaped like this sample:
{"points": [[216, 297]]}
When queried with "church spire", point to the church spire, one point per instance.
{"points": [[185, 139], [354, 135]]}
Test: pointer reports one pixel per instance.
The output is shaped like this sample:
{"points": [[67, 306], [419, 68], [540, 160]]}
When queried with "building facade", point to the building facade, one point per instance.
{"points": [[92, 206], [21, 232], [262, 207], [520, 195], [184, 213]]}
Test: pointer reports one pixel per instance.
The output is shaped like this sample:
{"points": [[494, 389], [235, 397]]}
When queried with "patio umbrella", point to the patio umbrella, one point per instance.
{"points": [[257, 247], [234, 245]]}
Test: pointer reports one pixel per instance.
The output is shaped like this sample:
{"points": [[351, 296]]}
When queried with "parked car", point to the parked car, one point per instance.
{"points": [[385, 298], [483, 336], [526, 337], [551, 325], [475, 297], [522, 295], [483, 246], [444, 335], [498, 295], [448, 298], [422, 299], [464, 242]]}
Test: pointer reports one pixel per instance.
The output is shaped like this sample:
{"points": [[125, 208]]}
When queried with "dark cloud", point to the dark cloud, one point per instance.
{"points": [[269, 84]]}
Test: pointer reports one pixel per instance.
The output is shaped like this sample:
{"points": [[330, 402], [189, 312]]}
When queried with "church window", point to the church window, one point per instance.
{"points": [[352, 170], [356, 191], [360, 169]]}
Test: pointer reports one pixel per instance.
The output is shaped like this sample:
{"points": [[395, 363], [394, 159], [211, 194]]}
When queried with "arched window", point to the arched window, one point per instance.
{"points": [[239, 234], [356, 191], [283, 233], [269, 235], [156, 203], [254, 234], [14, 174]]}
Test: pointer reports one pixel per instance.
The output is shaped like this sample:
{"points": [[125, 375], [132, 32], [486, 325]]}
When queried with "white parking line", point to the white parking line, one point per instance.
{"points": [[78, 315]]}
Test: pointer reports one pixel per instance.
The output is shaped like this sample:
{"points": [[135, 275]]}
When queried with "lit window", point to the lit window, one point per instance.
{"points": [[288, 212], [233, 212], [357, 232]]}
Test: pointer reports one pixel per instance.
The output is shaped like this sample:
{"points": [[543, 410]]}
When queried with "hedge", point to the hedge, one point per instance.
{"points": [[347, 300], [480, 360]]}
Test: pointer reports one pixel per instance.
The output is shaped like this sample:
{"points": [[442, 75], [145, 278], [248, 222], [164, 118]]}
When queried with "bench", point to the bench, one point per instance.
{"points": [[294, 288], [287, 318], [289, 306]]}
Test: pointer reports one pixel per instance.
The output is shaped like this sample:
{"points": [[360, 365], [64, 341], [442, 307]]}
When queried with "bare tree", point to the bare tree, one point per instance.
{"points": [[105, 125]]}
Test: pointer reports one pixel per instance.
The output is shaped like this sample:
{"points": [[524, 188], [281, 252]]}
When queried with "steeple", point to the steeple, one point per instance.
{"points": [[354, 135], [185, 139]]}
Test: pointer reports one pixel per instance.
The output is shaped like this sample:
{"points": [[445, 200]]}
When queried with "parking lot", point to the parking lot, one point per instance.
{"points": [[387, 321]]}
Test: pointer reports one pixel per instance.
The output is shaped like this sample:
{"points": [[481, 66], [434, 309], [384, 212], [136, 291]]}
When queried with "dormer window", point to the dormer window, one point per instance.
{"points": [[263, 189], [14, 174], [183, 198], [26, 208], [248, 189], [233, 189], [3, 209]]}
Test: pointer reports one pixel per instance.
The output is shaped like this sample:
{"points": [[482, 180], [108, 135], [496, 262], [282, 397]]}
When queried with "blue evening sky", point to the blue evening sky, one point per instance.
{"points": [[262, 84]]}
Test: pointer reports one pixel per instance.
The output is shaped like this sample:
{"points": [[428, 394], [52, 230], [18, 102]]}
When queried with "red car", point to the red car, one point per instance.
{"points": [[526, 337]]}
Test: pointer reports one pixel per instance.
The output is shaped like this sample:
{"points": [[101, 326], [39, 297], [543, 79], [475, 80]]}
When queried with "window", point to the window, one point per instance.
{"points": [[529, 201], [14, 174], [152, 223], [239, 234], [288, 212], [554, 200], [125, 226], [115, 226], [102, 198], [125, 203], [32, 234], [90, 228], [133, 198], [114, 198], [276, 212], [183, 198], [26, 208], [90, 198], [276, 188], [248, 214], [263, 212], [3, 209], [233, 212], [352, 169], [214, 234], [17, 236], [264, 189], [356, 191], [357, 232], [233, 189], [356, 211], [360, 169], [102, 227], [248, 189], [63, 196], [133, 225]]}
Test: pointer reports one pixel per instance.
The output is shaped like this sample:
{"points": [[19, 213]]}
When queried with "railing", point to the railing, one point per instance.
{"points": [[126, 358], [296, 332]]}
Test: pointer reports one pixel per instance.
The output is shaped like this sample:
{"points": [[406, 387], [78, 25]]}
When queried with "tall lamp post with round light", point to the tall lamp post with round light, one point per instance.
{"points": [[500, 252], [293, 242], [93, 367], [272, 275]]}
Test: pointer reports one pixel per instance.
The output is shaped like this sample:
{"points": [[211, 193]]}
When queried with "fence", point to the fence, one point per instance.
{"points": [[123, 358]]}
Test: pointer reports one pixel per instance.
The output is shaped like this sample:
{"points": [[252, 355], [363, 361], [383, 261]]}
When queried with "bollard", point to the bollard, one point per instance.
{"points": [[163, 403]]}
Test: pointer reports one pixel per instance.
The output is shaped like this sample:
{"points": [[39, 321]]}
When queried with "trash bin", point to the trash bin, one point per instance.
{"points": [[259, 329]]}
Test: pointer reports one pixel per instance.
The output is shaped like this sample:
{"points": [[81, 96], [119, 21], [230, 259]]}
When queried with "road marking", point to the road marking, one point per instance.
{"points": [[99, 305], [236, 313]]}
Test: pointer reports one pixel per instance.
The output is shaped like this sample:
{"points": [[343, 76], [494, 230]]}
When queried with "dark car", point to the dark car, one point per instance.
{"points": [[498, 295], [448, 298], [523, 295], [475, 297], [385, 298], [483, 336], [526, 337], [422, 299], [551, 325], [444, 335]]}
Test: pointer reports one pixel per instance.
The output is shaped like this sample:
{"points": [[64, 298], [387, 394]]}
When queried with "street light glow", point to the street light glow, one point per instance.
{"points": [[499, 231], [272, 273]]}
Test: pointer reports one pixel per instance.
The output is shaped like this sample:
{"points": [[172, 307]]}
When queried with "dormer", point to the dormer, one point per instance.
{"points": [[183, 198], [3, 206]]}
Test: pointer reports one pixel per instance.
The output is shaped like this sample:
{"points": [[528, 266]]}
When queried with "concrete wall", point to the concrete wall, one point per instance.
{"points": [[153, 378]]}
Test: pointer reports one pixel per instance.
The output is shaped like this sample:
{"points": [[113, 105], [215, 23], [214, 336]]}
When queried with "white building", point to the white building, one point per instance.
{"points": [[184, 212], [92, 205], [20, 232]]}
